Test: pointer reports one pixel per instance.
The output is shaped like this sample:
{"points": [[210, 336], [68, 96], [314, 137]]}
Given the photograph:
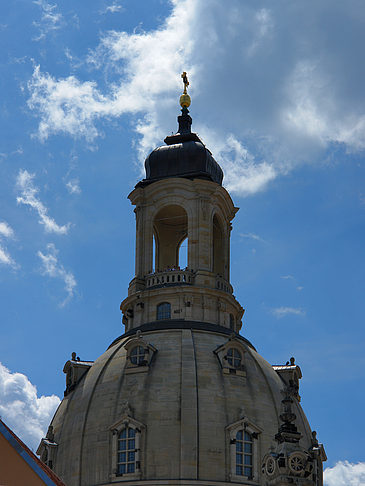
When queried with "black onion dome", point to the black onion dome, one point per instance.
{"points": [[184, 155]]}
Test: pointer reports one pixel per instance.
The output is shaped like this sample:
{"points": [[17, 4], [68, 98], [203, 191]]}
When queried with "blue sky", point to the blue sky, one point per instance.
{"points": [[277, 95]]}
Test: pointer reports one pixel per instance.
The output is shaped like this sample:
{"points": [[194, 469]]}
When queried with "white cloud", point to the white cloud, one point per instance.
{"points": [[277, 92], [283, 311], [252, 236], [113, 8], [29, 197], [22, 410], [52, 268], [6, 232], [73, 186], [5, 257], [345, 473], [287, 277], [50, 20]]}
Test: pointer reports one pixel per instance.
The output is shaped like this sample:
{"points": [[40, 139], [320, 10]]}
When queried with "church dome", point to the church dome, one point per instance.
{"points": [[173, 386], [181, 398]]}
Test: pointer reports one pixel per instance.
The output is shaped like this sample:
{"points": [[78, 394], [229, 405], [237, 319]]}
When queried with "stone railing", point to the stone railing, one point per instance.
{"points": [[222, 284], [170, 277]]}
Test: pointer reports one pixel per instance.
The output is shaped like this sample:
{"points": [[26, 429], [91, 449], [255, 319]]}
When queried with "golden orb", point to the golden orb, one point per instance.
{"points": [[185, 100]]}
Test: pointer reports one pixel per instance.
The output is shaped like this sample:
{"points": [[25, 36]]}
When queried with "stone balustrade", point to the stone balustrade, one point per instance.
{"points": [[222, 284], [170, 277]]}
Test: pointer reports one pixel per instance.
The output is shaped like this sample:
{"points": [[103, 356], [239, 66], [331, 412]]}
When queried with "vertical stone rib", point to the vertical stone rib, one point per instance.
{"points": [[189, 409]]}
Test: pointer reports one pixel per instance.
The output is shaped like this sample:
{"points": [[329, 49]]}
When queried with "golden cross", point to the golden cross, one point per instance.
{"points": [[185, 81]]}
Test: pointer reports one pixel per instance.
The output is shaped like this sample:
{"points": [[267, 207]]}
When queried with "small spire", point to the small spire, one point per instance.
{"points": [[184, 119], [185, 98]]}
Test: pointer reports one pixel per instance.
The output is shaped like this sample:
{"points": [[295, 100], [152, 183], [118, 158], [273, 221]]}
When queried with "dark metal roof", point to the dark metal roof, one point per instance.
{"points": [[167, 324], [184, 155]]}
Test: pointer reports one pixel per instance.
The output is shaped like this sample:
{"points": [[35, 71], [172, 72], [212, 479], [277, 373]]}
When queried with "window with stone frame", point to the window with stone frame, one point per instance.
{"points": [[126, 452], [139, 354], [231, 356], [127, 449], [163, 311], [244, 454], [234, 358], [243, 439]]}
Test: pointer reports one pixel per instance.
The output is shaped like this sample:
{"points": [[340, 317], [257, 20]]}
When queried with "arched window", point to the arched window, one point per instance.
{"points": [[137, 355], [234, 358], [126, 452], [163, 311], [231, 321], [244, 454]]}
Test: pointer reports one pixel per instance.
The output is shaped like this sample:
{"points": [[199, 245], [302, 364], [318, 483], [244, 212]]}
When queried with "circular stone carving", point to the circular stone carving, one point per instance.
{"points": [[297, 462], [270, 466]]}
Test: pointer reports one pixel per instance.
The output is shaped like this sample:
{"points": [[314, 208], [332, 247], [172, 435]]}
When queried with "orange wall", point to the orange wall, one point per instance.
{"points": [[14, 471]]}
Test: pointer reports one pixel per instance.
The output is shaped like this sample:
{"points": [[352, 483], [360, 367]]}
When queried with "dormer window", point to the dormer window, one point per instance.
{"points": [[163, 311], [234, 358], [137, 355], [231, 356]]}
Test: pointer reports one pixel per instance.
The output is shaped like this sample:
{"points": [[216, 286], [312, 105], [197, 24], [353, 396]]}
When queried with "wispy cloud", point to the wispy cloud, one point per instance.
{"points": [[54, 269], [21, 408], [73, 186], [345, 473], [51, 20], [293, 279], [113, 8], [280, 312], [252, 236], [5, 232], [29, 197]]}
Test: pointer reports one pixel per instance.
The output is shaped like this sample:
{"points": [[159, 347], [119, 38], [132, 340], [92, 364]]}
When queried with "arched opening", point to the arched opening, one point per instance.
{"points": [[183, 254], [154, 245], [218, 247], [170, 228]]}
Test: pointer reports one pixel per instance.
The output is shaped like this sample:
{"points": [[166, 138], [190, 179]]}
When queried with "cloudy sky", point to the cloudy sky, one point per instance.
{"points": [[278, 95]]}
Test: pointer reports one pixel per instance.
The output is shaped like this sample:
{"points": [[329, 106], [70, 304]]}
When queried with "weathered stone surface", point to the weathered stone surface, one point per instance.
{"points": [[185, 402]]}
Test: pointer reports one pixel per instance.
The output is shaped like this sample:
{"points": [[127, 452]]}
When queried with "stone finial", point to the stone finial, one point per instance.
{"points": [[292, 361], [50, 434], [126, 409], [314, 439], [73, 356], [241, 413], [288, 431]]}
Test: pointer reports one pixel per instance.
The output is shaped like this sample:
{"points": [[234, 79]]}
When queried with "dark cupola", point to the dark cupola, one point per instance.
{"points": [[184, 154]]}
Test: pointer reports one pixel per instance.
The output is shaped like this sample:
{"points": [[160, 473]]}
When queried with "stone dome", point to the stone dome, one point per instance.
{"points": [[183, 399]]}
